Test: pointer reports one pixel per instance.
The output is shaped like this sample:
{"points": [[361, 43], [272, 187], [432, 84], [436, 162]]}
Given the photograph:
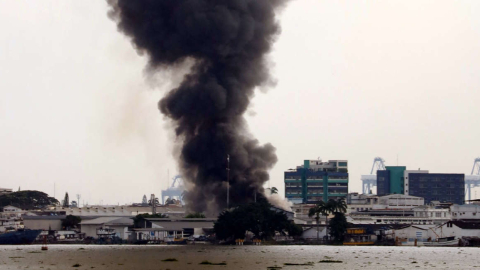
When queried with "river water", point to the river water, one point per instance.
{"points": [[237, 257]]}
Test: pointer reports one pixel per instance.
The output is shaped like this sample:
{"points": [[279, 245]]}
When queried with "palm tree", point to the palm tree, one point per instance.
{"points": [[320, 209], [334, 206], [338, 206], [156, 202]]}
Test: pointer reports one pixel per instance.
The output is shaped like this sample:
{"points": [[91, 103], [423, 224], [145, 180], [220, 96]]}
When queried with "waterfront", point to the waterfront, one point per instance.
{"points": [[235, 257]]}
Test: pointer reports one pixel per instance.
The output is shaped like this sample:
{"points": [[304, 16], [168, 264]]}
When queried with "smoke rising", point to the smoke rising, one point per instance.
{"points": [[227, 41]]}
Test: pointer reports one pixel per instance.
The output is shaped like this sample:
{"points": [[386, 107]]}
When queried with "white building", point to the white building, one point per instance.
{"points": [[442, 214], [167, 228], [121, 211], [400, 201], [10, 211], [365, 202], [426, 233], [102, 226], [311, 233], [467, 211]]}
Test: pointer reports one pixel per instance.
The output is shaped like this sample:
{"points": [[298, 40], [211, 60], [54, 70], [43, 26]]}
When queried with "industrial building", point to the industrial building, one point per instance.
{"points": [[437, 187], [440, 187], [390, 181], [316, 181]]}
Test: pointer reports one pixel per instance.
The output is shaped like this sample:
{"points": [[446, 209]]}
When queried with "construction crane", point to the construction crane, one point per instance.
{"points": [[472, 180], [370, 180], [176, 190]]}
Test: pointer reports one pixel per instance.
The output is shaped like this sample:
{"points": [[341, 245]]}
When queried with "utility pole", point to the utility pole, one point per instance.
{"points": [[228, 181]]}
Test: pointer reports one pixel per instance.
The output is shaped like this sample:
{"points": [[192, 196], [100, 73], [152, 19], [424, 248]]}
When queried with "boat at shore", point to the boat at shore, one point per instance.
{"points": [[20, 237], [443, 242]]}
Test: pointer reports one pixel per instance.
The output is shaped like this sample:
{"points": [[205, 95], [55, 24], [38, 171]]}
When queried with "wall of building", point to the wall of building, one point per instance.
{"points": [[121, 231], [312, 233], [438, 187], [43, 224], [401, 201], [396, 179], [316, 181], [90, 230], [405, 178], [467, 211], [383, 182]]}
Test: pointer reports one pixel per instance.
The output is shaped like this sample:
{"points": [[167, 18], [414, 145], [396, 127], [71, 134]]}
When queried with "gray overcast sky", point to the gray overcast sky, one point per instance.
{"points": [[356, 79]]}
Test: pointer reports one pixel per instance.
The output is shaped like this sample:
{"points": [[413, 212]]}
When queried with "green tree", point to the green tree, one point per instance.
{"points": [[321, 208], [338, 227], [27, 199], [170, 201], [66, 200], [195, 215], [338, 224], [71, 221], [155, 201], [294, 229], [338, 206], [137, 220], [257, 218]]}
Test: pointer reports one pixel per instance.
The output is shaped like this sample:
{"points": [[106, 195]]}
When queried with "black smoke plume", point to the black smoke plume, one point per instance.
{"points": [[228, 41]]}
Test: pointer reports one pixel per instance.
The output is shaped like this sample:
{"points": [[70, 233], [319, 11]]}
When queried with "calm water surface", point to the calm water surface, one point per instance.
{"points": [[245, 257]]}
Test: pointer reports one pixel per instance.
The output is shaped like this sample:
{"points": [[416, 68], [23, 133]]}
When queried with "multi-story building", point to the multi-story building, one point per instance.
{"points": [[437, 187], [390, 181], [316, 181], [445, 188]]}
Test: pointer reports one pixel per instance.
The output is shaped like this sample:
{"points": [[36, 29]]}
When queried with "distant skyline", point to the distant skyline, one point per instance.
{"points": [[355, 80]]}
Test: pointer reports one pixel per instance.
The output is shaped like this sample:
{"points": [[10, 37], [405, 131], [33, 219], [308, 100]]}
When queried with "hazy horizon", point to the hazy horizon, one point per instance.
{"points": [[355, 80]]}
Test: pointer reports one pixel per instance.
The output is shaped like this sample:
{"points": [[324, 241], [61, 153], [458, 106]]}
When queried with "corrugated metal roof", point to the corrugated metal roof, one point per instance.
{"points": [[108, 221]]}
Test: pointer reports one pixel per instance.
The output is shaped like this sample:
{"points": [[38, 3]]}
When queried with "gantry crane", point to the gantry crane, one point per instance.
{"points": [[472, 180], [370, 180], [176, 190]]}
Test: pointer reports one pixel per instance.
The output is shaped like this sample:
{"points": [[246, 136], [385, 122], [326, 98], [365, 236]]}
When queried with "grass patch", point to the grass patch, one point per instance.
{"points": [[170, 260], [330, 261], [81, 249], [211, 263], [34, 252], [76, 265], [307, 264], [274, 267], [414, 262], [16, 257]]}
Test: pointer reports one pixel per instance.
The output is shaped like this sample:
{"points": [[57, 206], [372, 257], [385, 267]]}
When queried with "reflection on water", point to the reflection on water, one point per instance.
{"points": [[236, 257]]}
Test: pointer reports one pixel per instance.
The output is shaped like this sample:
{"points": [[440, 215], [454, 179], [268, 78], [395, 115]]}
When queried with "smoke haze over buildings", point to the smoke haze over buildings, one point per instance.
{"points": [[228, 42]]}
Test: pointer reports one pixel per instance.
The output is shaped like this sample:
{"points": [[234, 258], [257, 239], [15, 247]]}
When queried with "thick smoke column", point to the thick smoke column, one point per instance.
{"points": [[228, 41]]}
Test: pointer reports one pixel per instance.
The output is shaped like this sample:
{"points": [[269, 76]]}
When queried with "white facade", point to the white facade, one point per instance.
{"points": [[401, 201], [311, 233], [467, 211], [363, 202], [121, 211], [96, 211], [405, 178], [94, 227], [422, 234], [432, 213]]}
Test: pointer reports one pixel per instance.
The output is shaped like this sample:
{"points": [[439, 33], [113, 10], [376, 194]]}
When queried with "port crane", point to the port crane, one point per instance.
{"points": [[176, 190], [472, 180], [370, 180]]}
